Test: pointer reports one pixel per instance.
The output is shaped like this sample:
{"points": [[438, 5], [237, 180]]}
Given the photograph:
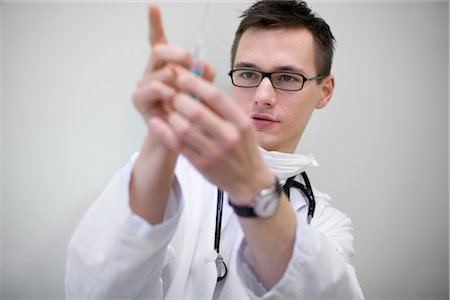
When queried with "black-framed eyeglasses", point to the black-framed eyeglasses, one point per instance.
{"points": [[282, 80]]}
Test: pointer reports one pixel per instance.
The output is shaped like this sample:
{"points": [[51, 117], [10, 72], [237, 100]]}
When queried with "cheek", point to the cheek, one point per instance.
{"points": [[243, 97], [297, 114]]}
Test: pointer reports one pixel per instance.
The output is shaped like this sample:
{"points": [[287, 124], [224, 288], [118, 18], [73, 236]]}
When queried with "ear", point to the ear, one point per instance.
{"points": [[326, 91]]}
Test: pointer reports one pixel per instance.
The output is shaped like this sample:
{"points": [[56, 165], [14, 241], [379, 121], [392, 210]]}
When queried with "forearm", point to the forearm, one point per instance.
{"points": [[271, 242], [108, 243], [319, 267], [151, 180]]}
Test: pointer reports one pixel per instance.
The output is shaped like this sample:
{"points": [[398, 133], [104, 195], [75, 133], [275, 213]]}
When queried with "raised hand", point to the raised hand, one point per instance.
{"points": [[154, 92]]}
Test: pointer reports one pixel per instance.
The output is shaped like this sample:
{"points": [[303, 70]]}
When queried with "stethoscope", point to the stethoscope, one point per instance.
{"points": [[307, 191]]}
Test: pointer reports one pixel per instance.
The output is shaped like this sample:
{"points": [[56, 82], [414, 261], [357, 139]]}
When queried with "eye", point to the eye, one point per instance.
{"points": [[287, 78], [247, 74]]}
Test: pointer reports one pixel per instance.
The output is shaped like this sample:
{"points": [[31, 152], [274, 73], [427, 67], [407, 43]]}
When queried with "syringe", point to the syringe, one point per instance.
{"points": [[199, 48], [198, 56]]}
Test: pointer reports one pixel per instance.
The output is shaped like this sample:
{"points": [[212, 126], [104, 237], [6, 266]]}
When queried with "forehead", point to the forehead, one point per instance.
{"points": [[270, 49]]}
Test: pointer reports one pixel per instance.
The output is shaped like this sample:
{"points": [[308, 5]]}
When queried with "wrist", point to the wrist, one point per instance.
{"points": [[153, 145], [245, 196], [264, 205]]}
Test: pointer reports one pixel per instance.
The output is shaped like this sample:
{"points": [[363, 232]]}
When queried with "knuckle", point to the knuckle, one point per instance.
{"points": [[158, 49], [232, 138], [163, 53], [146, 95], [139, 94], [157, 56], [184, 130], [197, 115], [186, 57], [137, 97], [167, 75]]}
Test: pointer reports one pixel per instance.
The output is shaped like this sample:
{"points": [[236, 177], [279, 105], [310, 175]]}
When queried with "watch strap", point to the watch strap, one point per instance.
{"points": [[243, 211]]}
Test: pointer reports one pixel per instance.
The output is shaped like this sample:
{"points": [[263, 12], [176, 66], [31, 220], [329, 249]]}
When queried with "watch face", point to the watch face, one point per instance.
{"points": [[266, 205]]}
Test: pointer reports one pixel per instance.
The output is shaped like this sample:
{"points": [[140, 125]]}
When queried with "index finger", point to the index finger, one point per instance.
{"points": [[156, 28]]}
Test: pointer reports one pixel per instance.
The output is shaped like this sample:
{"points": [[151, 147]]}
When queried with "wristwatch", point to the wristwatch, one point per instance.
{"points": [[265, 204]]}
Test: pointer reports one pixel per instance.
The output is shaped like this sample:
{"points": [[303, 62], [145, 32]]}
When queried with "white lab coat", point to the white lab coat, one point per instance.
{"points": [[114, 254]]}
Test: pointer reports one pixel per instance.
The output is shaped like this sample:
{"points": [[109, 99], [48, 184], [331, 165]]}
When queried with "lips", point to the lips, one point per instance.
{"points": [[263, 120]]}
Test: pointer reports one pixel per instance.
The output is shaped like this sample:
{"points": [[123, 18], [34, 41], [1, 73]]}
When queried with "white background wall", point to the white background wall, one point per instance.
{"points": [[1, 146], [67, 124]]}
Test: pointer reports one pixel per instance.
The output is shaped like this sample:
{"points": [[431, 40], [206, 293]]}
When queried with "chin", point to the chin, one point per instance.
{"points": [[274, 145], [264, 143]]}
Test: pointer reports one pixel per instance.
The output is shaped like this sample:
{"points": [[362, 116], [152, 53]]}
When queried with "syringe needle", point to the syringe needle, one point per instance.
{"points": [[199, 50]]}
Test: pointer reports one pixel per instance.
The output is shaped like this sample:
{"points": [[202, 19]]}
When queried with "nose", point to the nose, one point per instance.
{"points": [[265, 93]]}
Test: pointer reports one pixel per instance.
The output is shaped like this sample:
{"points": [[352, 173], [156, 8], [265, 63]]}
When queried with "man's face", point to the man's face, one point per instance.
{"points": [[280, 117]]}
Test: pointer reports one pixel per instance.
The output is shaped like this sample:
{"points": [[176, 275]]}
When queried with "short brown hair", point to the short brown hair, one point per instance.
{"points": [[272, 14]]}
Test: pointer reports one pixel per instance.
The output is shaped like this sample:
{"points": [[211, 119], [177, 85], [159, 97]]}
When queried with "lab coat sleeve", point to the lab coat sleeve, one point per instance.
{"points": [[319, 267], [115, 254]]}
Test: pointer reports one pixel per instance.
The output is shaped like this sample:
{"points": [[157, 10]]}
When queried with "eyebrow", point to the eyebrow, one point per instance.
{"points": [[287, 68]]}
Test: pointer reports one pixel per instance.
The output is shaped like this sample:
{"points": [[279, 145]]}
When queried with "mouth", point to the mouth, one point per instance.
{"points": [[263, 121]]}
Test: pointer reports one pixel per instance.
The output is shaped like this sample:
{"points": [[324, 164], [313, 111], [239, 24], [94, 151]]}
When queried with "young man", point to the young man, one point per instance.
{"points": [[163, 228]]}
